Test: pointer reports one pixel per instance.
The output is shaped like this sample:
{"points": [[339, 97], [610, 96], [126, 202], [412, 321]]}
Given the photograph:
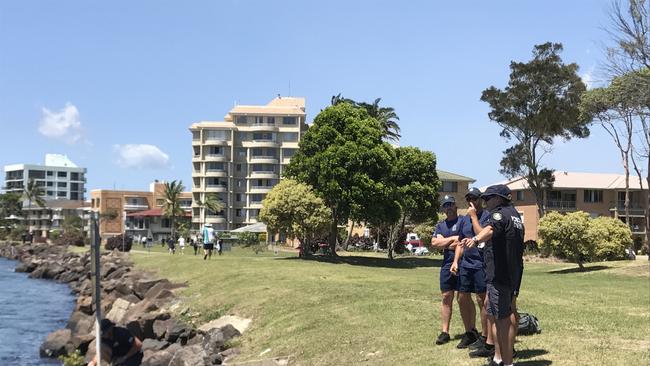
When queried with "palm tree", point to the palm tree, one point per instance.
{"points": [[386, 117], [33, 193], [212, 203], [172, 204], [336, 99]]}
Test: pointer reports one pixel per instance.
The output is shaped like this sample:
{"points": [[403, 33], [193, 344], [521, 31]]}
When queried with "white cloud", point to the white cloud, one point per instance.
{"points": [[63, 125], [141, 156], [588, 77]]}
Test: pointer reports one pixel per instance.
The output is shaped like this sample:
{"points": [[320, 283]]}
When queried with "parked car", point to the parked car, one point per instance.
{"points": [[414, 240]]}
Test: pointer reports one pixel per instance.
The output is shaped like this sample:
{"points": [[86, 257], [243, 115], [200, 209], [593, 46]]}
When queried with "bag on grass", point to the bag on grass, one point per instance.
{"points": [[528, 324]]}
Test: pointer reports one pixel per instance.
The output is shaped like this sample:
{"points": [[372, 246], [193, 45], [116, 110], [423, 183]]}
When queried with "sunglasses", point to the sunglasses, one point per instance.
{"points": [[487, 198], [447, 205]]}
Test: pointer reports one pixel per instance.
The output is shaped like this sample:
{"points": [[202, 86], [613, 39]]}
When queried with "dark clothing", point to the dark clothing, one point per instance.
{"points": [[447, 229], [471, 280], [121, 343], [504, 252], [472, 257], [448, 281], [499, 302]]}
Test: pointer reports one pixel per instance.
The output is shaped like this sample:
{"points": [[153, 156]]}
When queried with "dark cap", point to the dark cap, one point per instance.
{"points": [[498, 190], [106, 324], [448, 199], [473, 192]]}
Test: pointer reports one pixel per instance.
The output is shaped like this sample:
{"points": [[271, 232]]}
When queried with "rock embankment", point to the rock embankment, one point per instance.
{"points": [[133, 299]]}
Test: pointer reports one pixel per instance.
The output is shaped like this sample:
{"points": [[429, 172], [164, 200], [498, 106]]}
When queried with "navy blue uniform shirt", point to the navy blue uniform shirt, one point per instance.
{"points": [[472, 257], [447, 229], [504, 252]]}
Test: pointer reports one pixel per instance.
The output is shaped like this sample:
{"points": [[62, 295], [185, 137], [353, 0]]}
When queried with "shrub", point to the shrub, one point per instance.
{"points": [[74, 238], [55, 234], [117, 243], [250, 240], [612, 237], [567, 236], [73, 359]]}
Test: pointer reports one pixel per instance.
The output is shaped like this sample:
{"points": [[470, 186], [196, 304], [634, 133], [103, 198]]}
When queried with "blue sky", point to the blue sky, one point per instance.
{"points": [[115, 85]]}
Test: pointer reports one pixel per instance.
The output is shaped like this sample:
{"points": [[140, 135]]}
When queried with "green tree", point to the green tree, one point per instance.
{"points": [[411, 190], [172, 202], [10, 206], [33, 193], [568, 236], [292, 208], [611, 236], [386, 117], [212, 203], [251, 240], [539, 104], [342, 156], [72, 223]]}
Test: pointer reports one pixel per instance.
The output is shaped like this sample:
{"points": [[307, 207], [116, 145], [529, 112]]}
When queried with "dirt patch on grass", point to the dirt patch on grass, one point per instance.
{"points": [[536, 258]]}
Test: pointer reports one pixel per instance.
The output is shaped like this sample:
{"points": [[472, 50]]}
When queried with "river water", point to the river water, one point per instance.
{"points": [[29, 310]]}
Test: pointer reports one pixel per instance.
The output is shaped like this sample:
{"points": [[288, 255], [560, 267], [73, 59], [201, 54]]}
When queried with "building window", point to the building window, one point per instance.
{"points": [[36, 174], [50, 193], [593, 196], [217, 135], [50, 184], [259, 120], [215, 167], [160, 202], [61, 194], [270, 120], [520, 195], [74, 176], [241, 153], [215, 150], [241, 119], [290, 136], [449, 186], [166, 223], [288, 120], [264, 136], [50, 173], [238, 167], [62, 174], [287, 153], [62, 184], [257, 198], [238, 197]]}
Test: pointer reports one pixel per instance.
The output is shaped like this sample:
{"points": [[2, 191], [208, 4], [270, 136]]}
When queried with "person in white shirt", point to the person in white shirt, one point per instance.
{"points": [[181, 244]]}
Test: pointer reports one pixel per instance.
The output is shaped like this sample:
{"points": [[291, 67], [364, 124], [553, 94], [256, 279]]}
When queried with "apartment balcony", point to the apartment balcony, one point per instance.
{"points": [[216, 158], [255, 204], [260, 189], [263, 175], [216, 189], [135, 207], [216, 173], [261, 127], [197, 158], [561, 205], [264, 160], [635, 208], [215, 219], [217, 141], [196, 142], [260, 143], [58, 217]]}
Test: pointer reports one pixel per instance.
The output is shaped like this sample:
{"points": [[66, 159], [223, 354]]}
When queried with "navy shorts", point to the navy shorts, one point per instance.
{"points": [[499, 301], [471, 280], [448, 281], [208, 246]]}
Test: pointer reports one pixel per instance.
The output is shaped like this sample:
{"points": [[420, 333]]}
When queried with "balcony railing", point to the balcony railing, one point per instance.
{"points": [[561, 205]]}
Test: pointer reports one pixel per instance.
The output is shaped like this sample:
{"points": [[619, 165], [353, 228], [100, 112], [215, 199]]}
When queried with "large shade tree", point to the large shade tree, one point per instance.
{"points": [[386, 116], [293, 209], [539, 104], [172, 202], [342, 156]]}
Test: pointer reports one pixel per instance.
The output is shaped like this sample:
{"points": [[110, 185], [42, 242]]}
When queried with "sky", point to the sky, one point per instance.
{"points": [[115, 85]]}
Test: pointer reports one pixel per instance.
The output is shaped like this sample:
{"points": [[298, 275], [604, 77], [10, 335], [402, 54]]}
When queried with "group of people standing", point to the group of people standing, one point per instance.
{"points": [[483, 255]]}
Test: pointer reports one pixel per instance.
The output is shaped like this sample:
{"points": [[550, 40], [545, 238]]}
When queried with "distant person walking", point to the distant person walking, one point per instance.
{"points": [[143, 240], [208, 241], [181, 244], [171, 245], [195, 244], [219, 246]]}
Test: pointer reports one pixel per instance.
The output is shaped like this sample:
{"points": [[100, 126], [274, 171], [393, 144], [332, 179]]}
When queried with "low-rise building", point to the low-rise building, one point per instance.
{"points": [[595, 193], [138, 213], [42, 221]]}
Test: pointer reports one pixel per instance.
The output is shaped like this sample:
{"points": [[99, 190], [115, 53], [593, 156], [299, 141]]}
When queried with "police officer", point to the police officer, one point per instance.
{"points": [[468, 266], [504, 237], [119, 346], [446, 237]]}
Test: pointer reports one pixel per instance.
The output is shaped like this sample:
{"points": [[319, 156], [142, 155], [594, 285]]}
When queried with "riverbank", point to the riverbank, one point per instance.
{"points": [[134, 299]]}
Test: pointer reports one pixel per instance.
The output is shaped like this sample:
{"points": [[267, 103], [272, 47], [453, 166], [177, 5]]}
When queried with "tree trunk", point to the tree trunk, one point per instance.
{"points": [[333, 232], [647, 214], [347, 240], [581, 266]]}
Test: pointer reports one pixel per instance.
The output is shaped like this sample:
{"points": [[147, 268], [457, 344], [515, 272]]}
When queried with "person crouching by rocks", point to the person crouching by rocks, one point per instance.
{"points": [[119, 346]]}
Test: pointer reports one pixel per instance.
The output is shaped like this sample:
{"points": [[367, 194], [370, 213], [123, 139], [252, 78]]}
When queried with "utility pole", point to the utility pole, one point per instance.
{"points": [[95, 279]]}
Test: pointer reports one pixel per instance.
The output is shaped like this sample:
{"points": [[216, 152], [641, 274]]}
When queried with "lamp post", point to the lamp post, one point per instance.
{"points": [[96, 278]]}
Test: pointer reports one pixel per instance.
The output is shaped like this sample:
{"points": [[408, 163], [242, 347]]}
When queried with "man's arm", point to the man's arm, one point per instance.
{"points": [[484, 235], [471, 211], [457, 254], [441, 242]]}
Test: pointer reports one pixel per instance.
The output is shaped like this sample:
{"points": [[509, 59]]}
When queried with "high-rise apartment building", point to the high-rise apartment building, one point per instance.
{"points": [[59, 177], [242, 157]]}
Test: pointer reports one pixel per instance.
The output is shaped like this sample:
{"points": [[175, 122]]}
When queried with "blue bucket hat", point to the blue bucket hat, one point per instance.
{"points": [[498, 190], [448, 199]]}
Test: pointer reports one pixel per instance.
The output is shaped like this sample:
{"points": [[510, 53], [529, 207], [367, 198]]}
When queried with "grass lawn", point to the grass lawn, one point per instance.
{"points": [[364, 309]]}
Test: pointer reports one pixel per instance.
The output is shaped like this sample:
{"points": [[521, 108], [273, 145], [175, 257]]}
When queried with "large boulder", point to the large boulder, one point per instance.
{"points": [[56, 344], [153, 345], [189, 356], [161, 357], [80, 323], [119, 311], [143, 285], [214, 340]]}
